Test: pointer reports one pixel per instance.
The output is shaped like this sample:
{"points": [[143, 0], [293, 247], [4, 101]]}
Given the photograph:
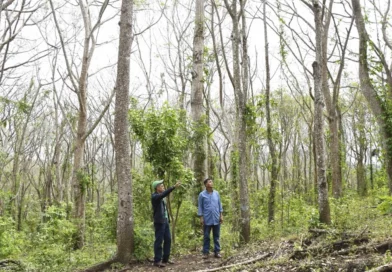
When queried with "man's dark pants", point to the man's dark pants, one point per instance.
{"points": [[162, 234], [215, 234]]}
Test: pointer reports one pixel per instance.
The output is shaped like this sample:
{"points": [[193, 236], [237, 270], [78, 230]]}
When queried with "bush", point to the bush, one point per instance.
{"points": [[385, 205], [11, 241], [144, 238]]}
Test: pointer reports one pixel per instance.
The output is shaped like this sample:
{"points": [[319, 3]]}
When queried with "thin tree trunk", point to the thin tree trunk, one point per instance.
{"points": [[240, 94], [79, 85], [380, 112], [19, 145], [243, 146], [271, 145], [331, 104], [324, 210]]}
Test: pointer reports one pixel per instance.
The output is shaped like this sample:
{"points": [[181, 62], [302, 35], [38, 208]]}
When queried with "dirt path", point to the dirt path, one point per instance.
{"points": [[304, 255], [191, 262]]}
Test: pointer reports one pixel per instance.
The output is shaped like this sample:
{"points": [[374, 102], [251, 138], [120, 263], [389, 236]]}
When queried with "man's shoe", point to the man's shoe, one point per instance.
{"points": [[217, 255], [159, 264], [205, 255], [168, 262]]}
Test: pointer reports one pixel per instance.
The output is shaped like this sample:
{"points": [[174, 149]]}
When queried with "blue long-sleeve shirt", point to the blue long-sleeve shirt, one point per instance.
{"points": [[210, 207]]}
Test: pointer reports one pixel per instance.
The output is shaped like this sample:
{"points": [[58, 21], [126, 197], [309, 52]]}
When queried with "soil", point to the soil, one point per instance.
{"points": [[317, 252]]}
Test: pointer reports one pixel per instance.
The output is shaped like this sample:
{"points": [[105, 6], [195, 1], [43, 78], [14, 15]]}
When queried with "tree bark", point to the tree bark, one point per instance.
{"points": [[331, 105], [198, 117], [125, 220], [240, 93], [379, 110], [323, 202], [271, 144], [359, 149], [243, 142]]}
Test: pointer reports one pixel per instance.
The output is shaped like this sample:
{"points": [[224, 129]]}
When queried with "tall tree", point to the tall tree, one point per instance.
{"points": [[332, 98], [240, 82], [271, 145], [331, 105], [125, 241], [199, 119], [318, 69], [79, 86], [331, 94], [125, 217], [377, 102]]}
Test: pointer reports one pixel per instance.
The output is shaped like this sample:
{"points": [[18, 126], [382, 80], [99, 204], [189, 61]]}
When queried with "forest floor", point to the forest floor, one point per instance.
{"points": [[320, 250]]}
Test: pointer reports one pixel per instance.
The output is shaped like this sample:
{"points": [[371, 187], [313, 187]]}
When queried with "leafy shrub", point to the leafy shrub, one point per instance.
{"points": [[188, 229], [385, 204], [144, 238], [102, 224], [11, 241], [57, 229]]}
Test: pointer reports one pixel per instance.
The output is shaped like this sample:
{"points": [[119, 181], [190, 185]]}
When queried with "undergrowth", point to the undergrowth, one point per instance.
{"points": [[46, 243]]}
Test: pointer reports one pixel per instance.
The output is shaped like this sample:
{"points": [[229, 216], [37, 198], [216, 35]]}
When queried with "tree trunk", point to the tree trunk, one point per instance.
{"points": [[331, 105], [79, 186], [243, 143], [361, 176], [380, 112], [79, 85], [198, 117], [19, 145], [240, 85], [359, 149], [324, 210], [271, 144], [125, 220]]}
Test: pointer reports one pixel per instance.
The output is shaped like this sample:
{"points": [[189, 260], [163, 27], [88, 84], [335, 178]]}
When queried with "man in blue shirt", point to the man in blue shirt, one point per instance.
{"points": [[161, 223], [210, 212]]}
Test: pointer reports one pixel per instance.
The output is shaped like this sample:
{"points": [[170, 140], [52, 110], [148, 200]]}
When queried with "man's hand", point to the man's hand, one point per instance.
{"points": [[201, 220], [177, 184], [221, 219]]}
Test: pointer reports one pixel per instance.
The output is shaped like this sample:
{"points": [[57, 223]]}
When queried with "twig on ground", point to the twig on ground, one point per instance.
{"points": [[362, 232], [101, 266], [383, 268], [226, 261], [5, 263], [236, 264], [319, 231], [276, 252]]}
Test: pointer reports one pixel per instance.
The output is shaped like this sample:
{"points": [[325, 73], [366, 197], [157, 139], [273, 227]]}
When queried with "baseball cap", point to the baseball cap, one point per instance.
{"points": [[156, 183]]}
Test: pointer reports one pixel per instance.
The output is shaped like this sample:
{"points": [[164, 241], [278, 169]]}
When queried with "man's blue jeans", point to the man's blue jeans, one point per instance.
{"points": [[162, 234], [215, 235]]}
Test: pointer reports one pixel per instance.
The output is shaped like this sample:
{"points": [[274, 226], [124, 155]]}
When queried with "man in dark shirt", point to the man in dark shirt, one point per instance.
{"points": [[161, 223], [210, 212]]}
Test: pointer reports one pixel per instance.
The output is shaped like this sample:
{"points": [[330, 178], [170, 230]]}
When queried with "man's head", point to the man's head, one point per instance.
{"points": [[208, 183], [158, 186]]}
